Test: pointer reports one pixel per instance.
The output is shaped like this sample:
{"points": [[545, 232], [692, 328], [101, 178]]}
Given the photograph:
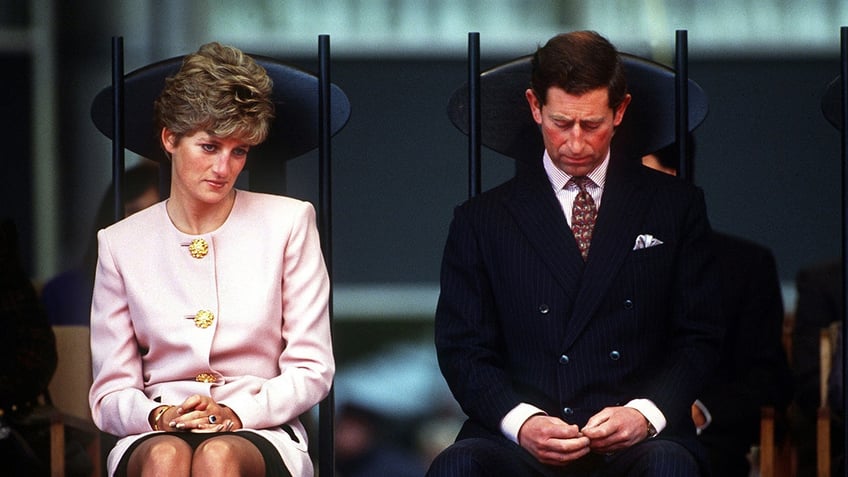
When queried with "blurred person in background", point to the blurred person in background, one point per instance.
{"points": [[365, 446], [27, 363], [67, 296], [753, 371]]}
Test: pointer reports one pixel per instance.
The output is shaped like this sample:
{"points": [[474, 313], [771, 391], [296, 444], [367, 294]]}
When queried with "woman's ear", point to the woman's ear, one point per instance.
{"points": [[169, 141]]}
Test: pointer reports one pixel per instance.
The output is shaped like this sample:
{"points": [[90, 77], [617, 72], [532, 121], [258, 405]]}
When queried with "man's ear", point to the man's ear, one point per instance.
{"points": [[619, 112], [535, 105]]}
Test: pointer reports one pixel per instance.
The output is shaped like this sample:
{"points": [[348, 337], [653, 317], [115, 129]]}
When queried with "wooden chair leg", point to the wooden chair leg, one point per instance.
{"points": [[823, 442], [57, 447], [94, 455], [767, 446], [826, 345]]}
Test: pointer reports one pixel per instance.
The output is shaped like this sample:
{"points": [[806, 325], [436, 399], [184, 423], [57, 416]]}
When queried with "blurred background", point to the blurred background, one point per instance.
{"points": [[399, 165]]}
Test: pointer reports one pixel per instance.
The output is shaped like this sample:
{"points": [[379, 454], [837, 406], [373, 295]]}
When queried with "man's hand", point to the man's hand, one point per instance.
{"points": [[552, 440], [615, 428]]}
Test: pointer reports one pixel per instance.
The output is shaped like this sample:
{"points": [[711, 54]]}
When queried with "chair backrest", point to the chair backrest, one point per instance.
{"points": [[295, 96], [508, 127]]}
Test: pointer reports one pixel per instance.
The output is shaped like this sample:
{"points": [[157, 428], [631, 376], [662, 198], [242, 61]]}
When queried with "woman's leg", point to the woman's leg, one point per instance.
{"points": [[160, 455], [227, 455]]}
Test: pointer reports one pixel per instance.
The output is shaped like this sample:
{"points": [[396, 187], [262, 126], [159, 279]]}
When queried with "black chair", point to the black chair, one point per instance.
{"points": [[834, 105], [509, 129], [310, 110]]}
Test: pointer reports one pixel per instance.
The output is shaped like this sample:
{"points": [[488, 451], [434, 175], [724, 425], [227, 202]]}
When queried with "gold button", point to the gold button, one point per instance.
{"points": [[205, 378], [203, 319], [198, 248]]}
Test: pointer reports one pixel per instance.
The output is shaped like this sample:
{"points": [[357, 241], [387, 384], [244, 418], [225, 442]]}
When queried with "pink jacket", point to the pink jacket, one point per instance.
{"points": [[267, 353]]}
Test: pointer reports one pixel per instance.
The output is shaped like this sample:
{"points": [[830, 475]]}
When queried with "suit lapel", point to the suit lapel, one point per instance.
{"points": [[622, 211], [539, 215]]}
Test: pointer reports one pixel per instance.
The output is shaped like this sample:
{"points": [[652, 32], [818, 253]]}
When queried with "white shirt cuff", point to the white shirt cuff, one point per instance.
{"points": [[514, 419], [651, 412]]}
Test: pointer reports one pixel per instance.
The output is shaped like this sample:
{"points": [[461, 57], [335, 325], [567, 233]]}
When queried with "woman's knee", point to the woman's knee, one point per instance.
{"points": [[169, 454], [227, 452]]}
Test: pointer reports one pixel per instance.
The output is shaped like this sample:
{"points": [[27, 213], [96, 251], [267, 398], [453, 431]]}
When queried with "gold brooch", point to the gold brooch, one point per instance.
{"points": [[203, 319], [198, 248], [205, 378]]}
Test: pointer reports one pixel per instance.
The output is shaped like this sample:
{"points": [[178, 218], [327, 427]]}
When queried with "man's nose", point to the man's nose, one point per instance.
{"points": [[575, 139]]}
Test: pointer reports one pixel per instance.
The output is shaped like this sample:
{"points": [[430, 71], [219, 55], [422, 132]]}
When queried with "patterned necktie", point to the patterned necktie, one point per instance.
{"points": [[583, 214]]}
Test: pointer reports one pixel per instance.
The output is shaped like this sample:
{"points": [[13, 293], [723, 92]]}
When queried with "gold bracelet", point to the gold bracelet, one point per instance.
{"points": [[159, 413]]}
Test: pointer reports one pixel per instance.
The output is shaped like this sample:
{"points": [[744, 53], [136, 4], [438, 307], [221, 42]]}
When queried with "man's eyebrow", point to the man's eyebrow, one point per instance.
{"points": [[562, 117]]}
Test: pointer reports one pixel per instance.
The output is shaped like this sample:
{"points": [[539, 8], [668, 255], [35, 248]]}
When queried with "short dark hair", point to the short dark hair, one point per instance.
{"points": [[578, 62]]}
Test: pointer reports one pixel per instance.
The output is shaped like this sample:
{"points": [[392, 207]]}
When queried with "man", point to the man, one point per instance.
{"points": [[753, 370], [565, 365]]}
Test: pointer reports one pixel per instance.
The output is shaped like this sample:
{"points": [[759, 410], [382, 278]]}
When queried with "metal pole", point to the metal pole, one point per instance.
{"points": [[844, 136], [681, 102], [326, 409], [474, 128], [118, 125]]}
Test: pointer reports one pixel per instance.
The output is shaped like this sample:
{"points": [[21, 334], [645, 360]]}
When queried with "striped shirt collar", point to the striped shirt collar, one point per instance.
{"points": [[558, 178]]}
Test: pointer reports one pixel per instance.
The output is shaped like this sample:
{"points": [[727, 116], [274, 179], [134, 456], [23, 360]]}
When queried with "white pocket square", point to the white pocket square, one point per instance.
{"points": [[646, 241]]}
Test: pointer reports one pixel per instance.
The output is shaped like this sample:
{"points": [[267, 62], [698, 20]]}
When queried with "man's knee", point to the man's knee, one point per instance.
{"points": [[659, 458], [459, 459], [476, 457]]}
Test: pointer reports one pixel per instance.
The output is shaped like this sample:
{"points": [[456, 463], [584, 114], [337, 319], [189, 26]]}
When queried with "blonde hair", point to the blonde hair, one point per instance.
{"points": [[218, 90]]}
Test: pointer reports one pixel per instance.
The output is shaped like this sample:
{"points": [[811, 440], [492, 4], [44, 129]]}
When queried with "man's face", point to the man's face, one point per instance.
{"points": [[576, 130]]}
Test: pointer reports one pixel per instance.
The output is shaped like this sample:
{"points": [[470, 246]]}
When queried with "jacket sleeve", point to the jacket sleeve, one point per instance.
{"points": [[118, 404], [306, 363], [469, 343]]}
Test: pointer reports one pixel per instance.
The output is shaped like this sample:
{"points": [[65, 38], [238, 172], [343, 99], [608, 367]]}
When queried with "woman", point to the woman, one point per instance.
{"points": [[210, 321]]}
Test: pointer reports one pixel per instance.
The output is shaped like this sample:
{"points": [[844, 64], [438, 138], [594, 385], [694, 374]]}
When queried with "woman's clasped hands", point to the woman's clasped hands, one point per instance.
{"points": [[196, 414]]}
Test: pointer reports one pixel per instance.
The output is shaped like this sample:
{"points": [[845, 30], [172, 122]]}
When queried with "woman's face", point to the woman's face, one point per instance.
{"points": [[204, 167]]}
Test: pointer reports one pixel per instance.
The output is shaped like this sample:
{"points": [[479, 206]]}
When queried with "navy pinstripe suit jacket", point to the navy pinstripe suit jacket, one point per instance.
{"points": [[521, 319]]}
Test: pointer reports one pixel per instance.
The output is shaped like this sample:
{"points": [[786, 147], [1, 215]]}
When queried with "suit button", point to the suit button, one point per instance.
{"points": [[563, 359], [204, 319], [628, 304], [614, 355], [205, 378], [544, 309], [567, 411], [198, 248]]}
